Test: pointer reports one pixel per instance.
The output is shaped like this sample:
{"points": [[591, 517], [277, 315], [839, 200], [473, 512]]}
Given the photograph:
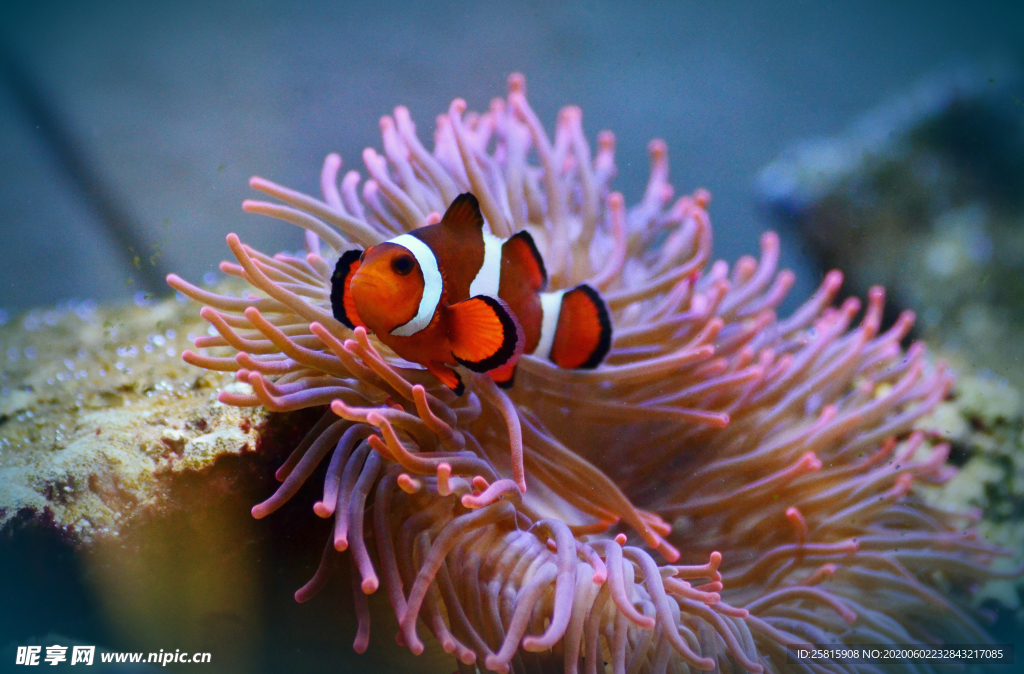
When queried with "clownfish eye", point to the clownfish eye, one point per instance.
{"points": [[403, 265]]}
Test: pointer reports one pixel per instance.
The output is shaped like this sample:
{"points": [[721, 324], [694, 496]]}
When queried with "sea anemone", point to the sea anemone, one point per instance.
{"points": [[771, 464]]}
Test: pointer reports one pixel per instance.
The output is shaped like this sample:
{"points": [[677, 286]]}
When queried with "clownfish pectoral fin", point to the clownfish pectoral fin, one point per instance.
{"points": [[484, 333], [504, 376], [448, 377], [463, 215], [342, 305], [521, 253], [584, 331]]}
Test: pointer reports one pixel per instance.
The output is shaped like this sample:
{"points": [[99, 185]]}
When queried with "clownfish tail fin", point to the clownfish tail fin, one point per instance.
{"points": [[484, 333], [521, 253], [463, 215], [583, 334], [342, 306]]}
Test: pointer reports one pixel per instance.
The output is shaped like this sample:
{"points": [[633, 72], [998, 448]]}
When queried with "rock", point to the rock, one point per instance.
{"points": [[98, 413], [984, 423], [925, 195]]}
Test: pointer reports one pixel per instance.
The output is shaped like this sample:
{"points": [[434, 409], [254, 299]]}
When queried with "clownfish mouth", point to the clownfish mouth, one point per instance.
{"points": [[357, 281]]}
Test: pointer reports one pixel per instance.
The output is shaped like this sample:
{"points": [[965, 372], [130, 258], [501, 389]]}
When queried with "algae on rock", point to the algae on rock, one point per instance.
{"points": [[984, 424], [97, 411]]}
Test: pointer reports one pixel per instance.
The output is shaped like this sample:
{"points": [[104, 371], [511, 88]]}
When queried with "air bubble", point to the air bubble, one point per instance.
{"points": [[32, 322]]}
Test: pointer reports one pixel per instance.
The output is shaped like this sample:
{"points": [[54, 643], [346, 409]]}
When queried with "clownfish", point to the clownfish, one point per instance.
{"points": [[453, 294]]}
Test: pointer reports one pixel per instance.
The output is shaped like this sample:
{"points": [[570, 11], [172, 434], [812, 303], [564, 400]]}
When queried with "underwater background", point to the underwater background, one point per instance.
{"points": [[882, 138]]}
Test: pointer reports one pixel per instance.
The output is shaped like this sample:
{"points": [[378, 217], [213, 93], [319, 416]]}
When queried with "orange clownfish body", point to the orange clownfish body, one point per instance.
{"points": [[453, 294]]}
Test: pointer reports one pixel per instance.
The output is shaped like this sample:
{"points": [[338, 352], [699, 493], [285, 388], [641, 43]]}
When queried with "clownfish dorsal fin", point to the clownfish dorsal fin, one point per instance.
{"points": [[520, 252], [484, 333], [583, 334], [342, 305], [463, 217]]}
